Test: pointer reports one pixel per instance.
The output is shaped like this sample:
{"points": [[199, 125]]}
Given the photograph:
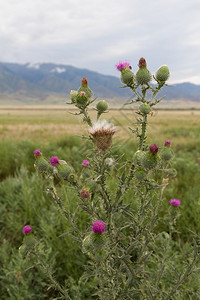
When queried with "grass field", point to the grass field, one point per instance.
{"points": [[46, 123], [23, 199]]}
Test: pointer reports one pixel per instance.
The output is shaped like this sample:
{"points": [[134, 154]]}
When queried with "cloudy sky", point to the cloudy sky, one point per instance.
{"points": [[97, 34]]}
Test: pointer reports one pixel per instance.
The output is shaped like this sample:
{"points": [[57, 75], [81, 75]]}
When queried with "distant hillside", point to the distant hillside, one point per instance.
{"points": [[26, 81]]}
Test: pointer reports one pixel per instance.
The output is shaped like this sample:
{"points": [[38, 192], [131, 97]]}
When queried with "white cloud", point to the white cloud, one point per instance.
{"points": [[97, 34]]}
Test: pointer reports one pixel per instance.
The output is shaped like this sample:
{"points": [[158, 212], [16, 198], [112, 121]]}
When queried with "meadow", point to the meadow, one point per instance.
{"points": [[56, 131]]}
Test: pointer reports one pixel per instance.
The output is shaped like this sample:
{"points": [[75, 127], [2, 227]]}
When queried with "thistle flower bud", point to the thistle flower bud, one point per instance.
{"points": [[29, 242], [162, 74], [64, 170], [84, 194], [102, 106], [138, 157], [141, 174], [166, 154], [150, 159], [73, 95], [81, 99], [127, 77], [98, 240], [143, 76], [84, 88], [145, 108], [41, 163]]}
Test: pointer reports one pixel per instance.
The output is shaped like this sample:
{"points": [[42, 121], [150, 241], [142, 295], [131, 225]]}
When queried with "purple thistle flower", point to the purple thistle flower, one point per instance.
{"points": [[54, 161], [153, 149], [27, 229], [81, 94], [175, 202], [122, 65], [85, 163], [98, 227], [37, 153], [167, 143]]}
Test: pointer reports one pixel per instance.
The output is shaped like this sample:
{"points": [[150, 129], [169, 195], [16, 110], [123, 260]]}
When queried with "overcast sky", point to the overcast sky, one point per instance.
{"points": [[97, 34]]}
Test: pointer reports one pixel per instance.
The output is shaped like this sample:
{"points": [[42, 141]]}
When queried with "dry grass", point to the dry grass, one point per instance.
{"points": [[51, 122]]}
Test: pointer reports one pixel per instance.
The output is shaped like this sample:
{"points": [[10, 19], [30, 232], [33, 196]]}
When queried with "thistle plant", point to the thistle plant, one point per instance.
{"points": [[127, 256]]}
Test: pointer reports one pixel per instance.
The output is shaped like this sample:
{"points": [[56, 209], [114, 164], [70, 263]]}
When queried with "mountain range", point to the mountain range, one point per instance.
{"points": [[41, 80]]}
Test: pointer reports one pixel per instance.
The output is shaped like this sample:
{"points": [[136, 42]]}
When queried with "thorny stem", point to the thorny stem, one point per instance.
{"points": [[143, 135]]}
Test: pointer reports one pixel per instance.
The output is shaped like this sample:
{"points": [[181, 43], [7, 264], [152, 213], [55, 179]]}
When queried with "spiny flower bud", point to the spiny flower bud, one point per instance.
{"points": [[141, 174], [98, 240], [64, 170], [81, 99], [41, 163], [166, 154], [127, 77], [73, 95], [84, 194], [145, 108], [143, 76], [102, 106], [150, 159], [138, 157], [84, 88], [162, 74]]}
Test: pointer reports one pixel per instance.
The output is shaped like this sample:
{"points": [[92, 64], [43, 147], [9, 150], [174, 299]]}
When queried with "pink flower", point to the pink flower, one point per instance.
{"points": [[153, 149], [167, 143], [122, 65], [85, 163], [81, 94], [27, 229], [175, 202], [54, 161], [98, 227], [37, 153]]}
